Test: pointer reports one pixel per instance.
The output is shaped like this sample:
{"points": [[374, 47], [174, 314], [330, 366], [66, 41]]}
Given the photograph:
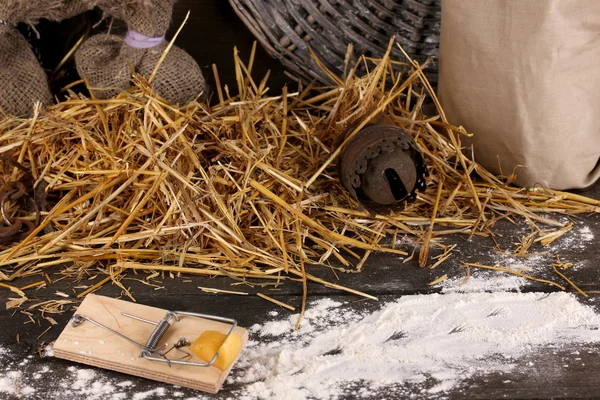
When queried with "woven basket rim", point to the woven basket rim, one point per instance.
{"points": [[290, 30]]}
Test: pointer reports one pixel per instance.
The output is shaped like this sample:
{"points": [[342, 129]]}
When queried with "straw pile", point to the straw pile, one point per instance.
{"points": [[246, 189]]}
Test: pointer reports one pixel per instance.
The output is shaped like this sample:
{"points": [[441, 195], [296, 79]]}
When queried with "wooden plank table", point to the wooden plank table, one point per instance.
{"points": [[538, 375]]}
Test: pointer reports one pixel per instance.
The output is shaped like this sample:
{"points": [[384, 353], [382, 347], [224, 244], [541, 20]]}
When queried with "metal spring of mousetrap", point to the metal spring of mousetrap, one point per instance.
{"points": [[150, 350]]}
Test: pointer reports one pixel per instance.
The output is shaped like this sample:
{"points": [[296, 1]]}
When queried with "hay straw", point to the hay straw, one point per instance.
{"points": [[438, 280], [522, 275], [33, 285], [279, 303], [555, 268], [554, 235], [246, 189], [216, 291]]}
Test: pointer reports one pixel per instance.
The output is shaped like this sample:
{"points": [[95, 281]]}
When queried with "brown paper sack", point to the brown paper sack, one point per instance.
{"points": [[523, 76], [107, 61]]}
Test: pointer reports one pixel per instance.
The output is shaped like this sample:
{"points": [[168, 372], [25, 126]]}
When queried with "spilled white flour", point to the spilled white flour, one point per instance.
{"points": [[417, 346], [539, 259], [3, 353], [484, 281], [440, 340], [9, 384], [77, 383]]}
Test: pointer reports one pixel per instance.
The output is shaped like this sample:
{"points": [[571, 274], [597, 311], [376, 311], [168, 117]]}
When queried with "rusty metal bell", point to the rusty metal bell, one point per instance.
{"points": [[382, 167]]}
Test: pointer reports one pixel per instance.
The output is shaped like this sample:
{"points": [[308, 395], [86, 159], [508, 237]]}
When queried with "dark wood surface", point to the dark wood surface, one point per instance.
{"points": [[539, 375]]}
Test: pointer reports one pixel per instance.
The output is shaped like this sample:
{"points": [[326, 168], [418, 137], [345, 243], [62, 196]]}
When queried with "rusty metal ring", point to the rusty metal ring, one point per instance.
{"points": [[19, 190], [30, 228], [7, 234], [5, 197]]}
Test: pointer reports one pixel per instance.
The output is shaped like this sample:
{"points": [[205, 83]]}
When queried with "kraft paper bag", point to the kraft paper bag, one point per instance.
{"points": [[524, 77]]}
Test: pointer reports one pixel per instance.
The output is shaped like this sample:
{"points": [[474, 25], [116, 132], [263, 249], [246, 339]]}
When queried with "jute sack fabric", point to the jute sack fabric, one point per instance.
{"points": [[524, 77], [107, 61], [23, 82], [71, 8]]}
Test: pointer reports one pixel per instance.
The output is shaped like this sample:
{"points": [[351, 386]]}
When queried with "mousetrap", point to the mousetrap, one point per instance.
{"points": [[192, 350]]}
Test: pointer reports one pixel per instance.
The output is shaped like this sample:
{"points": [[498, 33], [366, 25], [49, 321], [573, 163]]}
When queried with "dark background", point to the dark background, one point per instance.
{"points": [[210, 36]]}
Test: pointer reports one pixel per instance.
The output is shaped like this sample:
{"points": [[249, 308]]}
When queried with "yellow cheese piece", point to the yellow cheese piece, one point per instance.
{"points": [[209, 342]]}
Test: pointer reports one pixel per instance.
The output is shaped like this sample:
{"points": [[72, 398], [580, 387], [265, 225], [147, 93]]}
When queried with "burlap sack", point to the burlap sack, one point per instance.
{"points": [[149, 17], [179, 79], [107, 61], [71, 8], [30, 12], [523, 76], [23, 82]]}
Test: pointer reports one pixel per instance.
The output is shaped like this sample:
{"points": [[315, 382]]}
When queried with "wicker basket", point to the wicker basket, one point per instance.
{"points": [[286, 29]]}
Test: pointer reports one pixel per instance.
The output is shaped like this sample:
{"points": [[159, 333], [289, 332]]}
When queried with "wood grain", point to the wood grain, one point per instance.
{"points": [[92, 345]]}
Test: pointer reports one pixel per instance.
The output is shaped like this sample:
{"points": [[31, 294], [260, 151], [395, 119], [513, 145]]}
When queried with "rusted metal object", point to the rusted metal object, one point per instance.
{"points": [[382, 167], [20, 207]]}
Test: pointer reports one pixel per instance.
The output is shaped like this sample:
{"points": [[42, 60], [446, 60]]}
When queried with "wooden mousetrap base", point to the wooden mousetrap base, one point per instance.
{"points": [[92, 345]]}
